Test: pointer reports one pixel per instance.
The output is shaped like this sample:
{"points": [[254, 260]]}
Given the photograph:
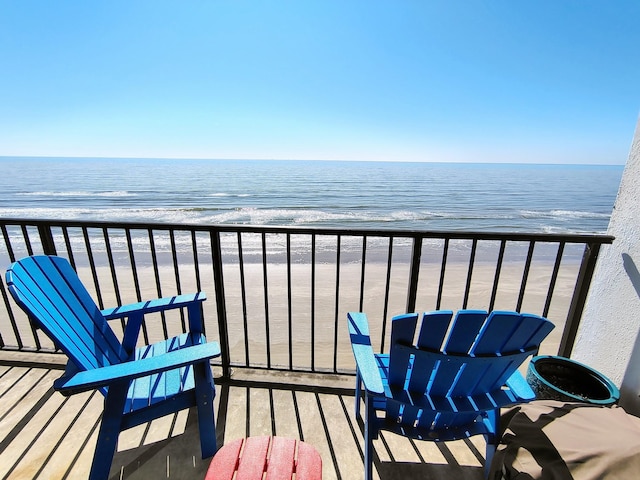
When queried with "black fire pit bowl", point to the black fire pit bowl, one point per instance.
{"points": [[559, 378]]}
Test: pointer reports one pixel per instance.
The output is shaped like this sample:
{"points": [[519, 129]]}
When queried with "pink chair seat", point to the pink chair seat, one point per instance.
{"points": [[280, 458]]}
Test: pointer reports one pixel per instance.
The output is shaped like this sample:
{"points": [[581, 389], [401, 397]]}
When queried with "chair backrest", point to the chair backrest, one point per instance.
{"points": [[470, 354], [460, 362], [50, 292]]}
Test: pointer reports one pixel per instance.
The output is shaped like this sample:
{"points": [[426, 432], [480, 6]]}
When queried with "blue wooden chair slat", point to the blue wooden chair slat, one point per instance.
{"points": [[541, 332], [34, 304], [499, 374], [464, 331], [434, 328], [73, 297], [64, 338], [494, 334], [426, 421], [460, 340], [139, 384], [523, 337], [160, 386], [470, 378], [63, 303], [452, 382], [432, 333], [402, 332], [420, 364], [496, 373]]}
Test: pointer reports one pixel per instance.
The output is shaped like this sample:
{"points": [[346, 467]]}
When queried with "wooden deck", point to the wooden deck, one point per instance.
{"points": [[45, 435]]}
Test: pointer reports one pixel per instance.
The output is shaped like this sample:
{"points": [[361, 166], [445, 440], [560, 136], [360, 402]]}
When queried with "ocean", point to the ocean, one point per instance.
{"points": [[377, 195]]}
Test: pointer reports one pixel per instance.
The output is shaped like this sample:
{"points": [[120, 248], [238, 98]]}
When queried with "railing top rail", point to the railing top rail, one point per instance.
{"points": [[301, 230]]}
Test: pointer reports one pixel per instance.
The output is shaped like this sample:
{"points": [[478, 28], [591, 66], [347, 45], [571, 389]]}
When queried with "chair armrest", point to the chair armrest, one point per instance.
{"points": [[151, 306], [100, 377], [136, 312], [520, 388], [363, 352]]}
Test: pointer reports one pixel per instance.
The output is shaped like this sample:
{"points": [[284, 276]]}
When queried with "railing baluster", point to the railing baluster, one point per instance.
{"points": [[218, 279], [176, 272], [114, 277], [443, 268], [525, 275], [12, 318], [496, 278], [7, 243], [243, 294], [134, 268], [472, 258], [27, 241], [362, 272], [337, 306], [579, 298], [112, 267], [414, 274], [387, 283], [156, 272], [67, 243], [289, 305], [92, 266], [46, 240], [554, 278], [313, 302], [196, 261], [265, 279]]}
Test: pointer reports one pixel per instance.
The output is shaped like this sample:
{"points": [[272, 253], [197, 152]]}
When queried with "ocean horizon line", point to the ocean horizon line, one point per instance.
{"points": [[327, 160]]}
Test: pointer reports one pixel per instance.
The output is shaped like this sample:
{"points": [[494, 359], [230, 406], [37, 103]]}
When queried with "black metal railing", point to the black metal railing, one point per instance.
{"points": [[278, 296]]}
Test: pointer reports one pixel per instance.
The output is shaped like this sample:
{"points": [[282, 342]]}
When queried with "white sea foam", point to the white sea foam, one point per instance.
{"points": [[563, 214], [323, 194], [223, 194]]}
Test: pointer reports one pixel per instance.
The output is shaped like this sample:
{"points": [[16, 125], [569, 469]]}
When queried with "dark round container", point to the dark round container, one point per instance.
{"points": [[559, 378]]}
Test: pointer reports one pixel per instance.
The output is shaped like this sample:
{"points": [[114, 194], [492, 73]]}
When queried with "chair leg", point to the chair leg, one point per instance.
{"points": [[358, 390], [204, 401], [491, 449], [369, 433], [109, 431], [492, 438]]}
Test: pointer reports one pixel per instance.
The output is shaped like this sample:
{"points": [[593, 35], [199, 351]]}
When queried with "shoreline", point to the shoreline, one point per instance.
{"points": [[275, 253]]}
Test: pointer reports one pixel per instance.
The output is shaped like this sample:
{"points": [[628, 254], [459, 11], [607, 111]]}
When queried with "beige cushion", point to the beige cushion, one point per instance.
{"points": [[547, 439]]}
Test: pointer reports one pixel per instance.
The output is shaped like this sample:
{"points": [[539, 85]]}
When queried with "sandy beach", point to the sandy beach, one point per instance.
{"points": [[313, 321]]}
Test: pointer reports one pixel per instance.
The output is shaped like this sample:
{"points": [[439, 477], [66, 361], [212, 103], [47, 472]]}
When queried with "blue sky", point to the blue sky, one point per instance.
{"points": [[545, 81]]}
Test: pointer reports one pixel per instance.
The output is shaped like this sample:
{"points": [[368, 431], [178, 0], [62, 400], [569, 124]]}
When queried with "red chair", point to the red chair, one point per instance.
{"points": [[277, 457]]}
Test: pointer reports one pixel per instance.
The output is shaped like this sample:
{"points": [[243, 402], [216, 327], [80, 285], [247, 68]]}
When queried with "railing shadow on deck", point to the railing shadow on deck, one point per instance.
{"points": [[45, 435]]}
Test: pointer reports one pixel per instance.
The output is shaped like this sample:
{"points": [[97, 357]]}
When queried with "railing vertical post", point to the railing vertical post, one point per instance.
{"points": [[46, 239], [583, 282], [414, 274], [218, 281]]}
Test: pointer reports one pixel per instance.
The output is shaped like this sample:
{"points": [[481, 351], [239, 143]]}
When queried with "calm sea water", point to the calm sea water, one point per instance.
{"points": [[423, 196]]}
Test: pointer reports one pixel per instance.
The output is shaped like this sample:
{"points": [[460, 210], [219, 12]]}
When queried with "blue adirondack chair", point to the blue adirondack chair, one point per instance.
{"points": [[451, 382], [139, 384]]}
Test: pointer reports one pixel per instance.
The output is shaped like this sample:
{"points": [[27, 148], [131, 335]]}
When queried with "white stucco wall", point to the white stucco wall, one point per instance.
{"points": [[609, 335]]}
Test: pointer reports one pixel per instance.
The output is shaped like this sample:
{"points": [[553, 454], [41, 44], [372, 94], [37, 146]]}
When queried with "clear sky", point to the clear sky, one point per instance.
{"points": [[544, 81]]}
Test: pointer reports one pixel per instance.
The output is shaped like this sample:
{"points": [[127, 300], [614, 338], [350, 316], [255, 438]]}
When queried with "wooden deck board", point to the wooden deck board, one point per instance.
{"points": [[45, 435]]}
